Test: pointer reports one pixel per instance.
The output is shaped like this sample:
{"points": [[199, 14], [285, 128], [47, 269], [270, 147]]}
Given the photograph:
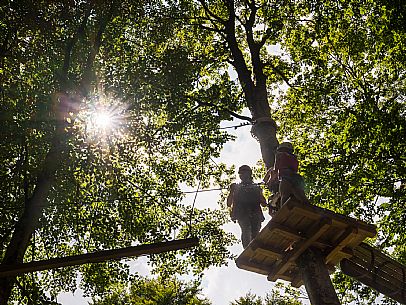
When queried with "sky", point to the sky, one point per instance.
{"points": [[221, 285]]}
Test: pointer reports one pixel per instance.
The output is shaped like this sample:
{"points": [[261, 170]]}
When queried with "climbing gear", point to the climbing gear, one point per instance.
{"points": [[274, 203], [262, 121], [286, 145], [246, 200]]}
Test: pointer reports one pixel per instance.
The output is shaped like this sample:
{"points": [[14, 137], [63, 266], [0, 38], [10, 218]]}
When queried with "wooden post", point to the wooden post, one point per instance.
{"points": [[97, 257], [316, 278]]}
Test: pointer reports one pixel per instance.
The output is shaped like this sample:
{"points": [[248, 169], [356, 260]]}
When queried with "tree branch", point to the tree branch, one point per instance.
{"points": [[216, 30], [68, 50], [87, 74], [281, 74], [252, 17], [210, 13], [239, 63], [232, 113], [265, 37]]}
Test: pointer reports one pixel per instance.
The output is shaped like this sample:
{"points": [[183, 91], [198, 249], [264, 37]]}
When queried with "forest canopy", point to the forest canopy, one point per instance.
{"points": [[108, 107]]}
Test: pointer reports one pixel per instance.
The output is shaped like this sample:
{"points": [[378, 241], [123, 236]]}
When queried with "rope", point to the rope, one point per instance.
{"points": [[198, 186], [206, 190], [215, 189], [236, 126]]}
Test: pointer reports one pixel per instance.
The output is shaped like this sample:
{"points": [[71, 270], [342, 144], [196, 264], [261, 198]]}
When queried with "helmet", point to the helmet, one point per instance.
{"points": [[243, 168], [286, 145]]}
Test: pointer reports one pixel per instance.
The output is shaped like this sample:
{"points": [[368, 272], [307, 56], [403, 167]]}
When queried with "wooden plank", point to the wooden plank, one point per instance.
{"points": [[97, 257], [295, 228], [370, 257], [396, 292], [252, 266], [286, 278], [301, 222], [283, 213], [379, 270], [387, 271], [286, 231], [341, 242], [380, 255], [269, 252], [305, 212], [313, 234], [346, 252], [309, 209]]}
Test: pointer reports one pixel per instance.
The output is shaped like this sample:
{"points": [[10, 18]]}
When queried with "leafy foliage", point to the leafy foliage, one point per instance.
{"points": [[113, 188], [345, 111], [333, 73], [273, 298], [156, 292]]}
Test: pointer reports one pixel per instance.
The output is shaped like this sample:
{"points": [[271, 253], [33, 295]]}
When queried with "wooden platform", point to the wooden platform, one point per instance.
{"points": [[293, 229], [377, 270]]}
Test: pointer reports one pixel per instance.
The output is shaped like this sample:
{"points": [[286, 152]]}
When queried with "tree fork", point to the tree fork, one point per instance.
{"points": [[316, 278]]}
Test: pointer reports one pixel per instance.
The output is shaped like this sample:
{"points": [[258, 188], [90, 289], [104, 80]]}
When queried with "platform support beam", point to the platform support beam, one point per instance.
{"points": [[97, 257], [316, 278]]}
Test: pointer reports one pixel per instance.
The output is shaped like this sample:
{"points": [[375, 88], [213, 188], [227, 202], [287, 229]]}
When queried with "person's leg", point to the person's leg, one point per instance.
{"points": [[285, 190], [298, 188], [245, 225], [255, 227], [300, 195]]}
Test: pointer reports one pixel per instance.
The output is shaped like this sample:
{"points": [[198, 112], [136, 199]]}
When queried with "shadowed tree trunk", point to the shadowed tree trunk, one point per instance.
{"points": [[253, 82], [66, 104], [316, 278]]}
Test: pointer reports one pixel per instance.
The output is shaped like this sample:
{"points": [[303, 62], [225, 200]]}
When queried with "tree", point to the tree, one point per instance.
{"points": [[330, 73], [345, 113], [158, 292], [341, 70], [273, 298], [69, 188]]}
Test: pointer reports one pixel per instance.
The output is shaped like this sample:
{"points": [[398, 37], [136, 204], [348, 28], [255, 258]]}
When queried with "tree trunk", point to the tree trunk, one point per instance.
{"points": [[34, 207], [316, 278], [253, 84], [27, 223], [264, 130]]}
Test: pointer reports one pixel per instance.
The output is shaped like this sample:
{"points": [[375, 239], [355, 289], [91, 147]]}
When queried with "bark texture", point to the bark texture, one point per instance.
{"points": [[253, 83], [316, 278], [32, 212]]}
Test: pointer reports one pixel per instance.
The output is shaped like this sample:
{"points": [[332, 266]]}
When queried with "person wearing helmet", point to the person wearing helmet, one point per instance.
{"points": [[285, 168], [245, 200]]}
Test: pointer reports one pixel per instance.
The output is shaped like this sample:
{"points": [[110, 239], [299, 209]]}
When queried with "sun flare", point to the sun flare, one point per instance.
{"points": [[102, 120]]}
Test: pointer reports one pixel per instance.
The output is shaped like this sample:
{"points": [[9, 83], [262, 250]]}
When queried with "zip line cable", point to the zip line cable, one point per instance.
{"points": [[198, 185], [236, 126], [205, 190], [183, 192], [215, 189]]}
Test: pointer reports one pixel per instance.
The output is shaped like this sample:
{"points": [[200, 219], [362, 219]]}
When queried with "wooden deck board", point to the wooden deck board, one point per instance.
{"points": [[295, 228], [390, 287], [379, 263]]}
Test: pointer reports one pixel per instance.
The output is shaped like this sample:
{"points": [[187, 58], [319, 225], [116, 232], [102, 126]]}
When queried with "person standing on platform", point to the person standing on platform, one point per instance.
{"points": [[285, 175], [245, 200]]}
